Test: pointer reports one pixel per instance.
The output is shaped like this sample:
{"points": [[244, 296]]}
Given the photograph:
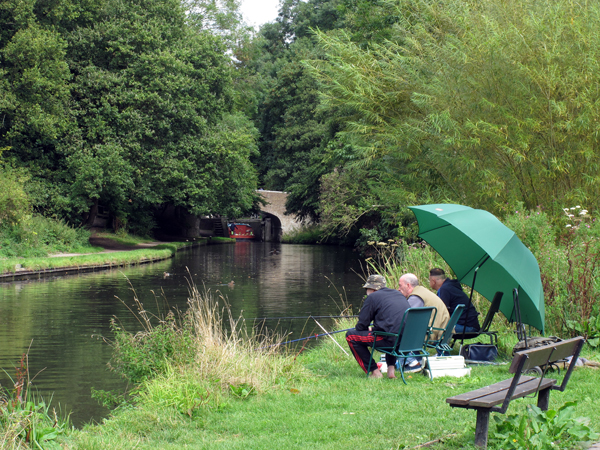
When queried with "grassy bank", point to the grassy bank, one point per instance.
{"points": [[23, 265], [94, 260], [140, 251], [201, 386]]}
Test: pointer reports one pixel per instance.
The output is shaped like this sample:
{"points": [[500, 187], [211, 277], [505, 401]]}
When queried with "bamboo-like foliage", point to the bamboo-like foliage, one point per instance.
{"points": [[491, 101]]}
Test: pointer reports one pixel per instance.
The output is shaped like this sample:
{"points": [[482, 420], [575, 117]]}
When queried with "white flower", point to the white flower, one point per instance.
{"points": [[565, 209], [568, 225], [573, 209], [578, 206], [583, 212], [571, 215]]}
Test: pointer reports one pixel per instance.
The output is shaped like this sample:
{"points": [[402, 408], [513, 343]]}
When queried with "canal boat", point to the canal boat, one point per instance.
{"points": [[240, 231]]}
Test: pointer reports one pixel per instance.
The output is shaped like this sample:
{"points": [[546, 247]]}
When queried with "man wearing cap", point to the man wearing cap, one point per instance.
{"points": [[385, 308]]}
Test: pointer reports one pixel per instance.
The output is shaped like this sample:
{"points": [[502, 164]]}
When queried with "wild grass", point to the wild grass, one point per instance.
{"points": [[197, 360], [394, 258], [124, 238], [26, 420], [309, 234]]}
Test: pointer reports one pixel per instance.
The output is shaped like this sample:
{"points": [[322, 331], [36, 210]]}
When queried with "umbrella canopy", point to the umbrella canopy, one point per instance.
{"points": [[469, 238]]}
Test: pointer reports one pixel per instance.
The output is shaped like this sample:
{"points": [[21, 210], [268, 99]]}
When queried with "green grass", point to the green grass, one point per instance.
{"points": [[221, 240], [332, 406], [124, 239], [95, 260], [93, 257], [39, 236]]}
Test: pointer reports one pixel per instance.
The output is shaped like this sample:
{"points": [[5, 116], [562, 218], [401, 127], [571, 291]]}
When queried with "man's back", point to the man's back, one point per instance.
{"points": [[430, 299], [385, 308], [452, 295]]}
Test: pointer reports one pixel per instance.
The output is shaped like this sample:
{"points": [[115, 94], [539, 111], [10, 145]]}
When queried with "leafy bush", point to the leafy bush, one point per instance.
{"points": [[146, 354], [305, 235], [14, 202], [567, 249], [37, 236], [534, 228], [541, 430]]}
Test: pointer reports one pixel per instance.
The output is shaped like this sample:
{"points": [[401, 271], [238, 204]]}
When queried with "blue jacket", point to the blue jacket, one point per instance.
{"points": [[452, 295]]}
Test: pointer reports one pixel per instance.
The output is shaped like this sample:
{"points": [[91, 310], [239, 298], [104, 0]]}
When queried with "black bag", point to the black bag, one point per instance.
{"points": [[479, 352]]}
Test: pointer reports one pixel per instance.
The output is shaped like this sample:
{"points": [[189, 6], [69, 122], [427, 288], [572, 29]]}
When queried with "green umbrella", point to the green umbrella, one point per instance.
{"points": [[470, 239]]}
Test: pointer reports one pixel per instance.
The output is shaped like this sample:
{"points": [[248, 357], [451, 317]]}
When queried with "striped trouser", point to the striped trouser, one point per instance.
{"points": [[360, 343]]}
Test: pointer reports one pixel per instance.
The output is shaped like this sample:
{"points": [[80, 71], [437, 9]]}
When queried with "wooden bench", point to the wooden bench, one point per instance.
{"points": [[486, 399]]}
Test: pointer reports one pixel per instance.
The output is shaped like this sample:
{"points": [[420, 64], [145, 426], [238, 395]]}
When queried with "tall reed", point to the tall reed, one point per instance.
{"points": [[200, 358], [26, 420]]}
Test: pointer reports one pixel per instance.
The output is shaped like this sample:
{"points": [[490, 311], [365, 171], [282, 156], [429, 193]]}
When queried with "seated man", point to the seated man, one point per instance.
{"points": [[419, 296], [384, 307], [409, 287], [451, 293]]}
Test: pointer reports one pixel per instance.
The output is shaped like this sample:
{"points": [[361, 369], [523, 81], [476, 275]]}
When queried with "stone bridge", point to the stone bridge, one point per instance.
{"points": [[270, 225], [276, 223]]}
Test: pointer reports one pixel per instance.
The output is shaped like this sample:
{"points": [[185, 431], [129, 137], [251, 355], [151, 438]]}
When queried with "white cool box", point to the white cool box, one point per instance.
{"points": [[447, 366]]}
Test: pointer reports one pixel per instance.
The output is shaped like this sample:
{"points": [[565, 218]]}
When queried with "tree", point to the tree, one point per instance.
{"points": [[34, 90], [479, 102], [293, 132], [120, 103]]}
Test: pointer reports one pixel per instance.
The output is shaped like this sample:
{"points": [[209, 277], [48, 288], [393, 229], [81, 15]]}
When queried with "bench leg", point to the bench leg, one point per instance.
{"points": [[544, 399], [481, 427]]}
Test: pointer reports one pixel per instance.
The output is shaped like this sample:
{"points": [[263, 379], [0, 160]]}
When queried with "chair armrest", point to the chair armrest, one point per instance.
{"points": [[384, 333]]}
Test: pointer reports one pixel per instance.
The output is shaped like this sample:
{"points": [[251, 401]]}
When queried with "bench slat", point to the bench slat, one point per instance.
{"points": [[502, 386], [522, 390]]}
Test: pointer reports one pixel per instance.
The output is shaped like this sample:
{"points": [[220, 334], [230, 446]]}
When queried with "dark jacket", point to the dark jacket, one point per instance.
{"points": [[452, 295], [385, 308]]}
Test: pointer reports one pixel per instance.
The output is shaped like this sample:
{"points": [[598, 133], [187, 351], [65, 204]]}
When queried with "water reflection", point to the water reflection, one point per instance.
{"points": [[62, 323]]}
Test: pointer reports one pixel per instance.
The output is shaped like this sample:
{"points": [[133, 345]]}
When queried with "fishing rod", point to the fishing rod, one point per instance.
{"points": [[301, 317], [308, 337]]}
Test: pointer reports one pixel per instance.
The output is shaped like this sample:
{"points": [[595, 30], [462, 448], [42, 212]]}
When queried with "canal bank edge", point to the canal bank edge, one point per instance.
{"points": [[173, 247]]}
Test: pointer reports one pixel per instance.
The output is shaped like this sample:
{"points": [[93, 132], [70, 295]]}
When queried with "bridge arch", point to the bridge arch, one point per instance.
{"points": [[274, 211]]}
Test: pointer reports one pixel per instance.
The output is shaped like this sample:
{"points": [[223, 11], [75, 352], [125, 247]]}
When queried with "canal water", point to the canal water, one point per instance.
{"points": [[63, 324]]}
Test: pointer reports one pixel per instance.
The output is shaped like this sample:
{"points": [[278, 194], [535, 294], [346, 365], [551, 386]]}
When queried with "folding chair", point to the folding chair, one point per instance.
{"points": [[485, 328], [411, 338], [441, 344]]}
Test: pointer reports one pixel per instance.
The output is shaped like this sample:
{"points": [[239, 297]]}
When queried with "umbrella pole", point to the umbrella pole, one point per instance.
{"points": [[462, 341], [521, 333]]}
